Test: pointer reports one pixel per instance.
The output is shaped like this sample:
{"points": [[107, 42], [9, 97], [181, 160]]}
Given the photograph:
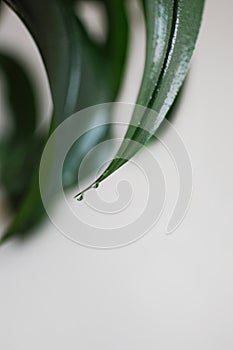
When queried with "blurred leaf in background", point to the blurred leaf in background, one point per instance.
{"points": [[21, 146], [83, 71], [72, 59]]}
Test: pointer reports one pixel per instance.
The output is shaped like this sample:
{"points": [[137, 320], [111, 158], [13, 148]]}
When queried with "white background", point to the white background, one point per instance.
{"points": [[162, 292]]}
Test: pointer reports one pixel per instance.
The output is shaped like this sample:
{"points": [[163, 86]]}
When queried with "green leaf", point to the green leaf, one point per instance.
{"points": [[19, 148], [18, 162], [103, 64], [54, 28], [20, 95], [158, 18], [117, 43], [96, 87], [165, 70], [101, 76], [27, 217]]}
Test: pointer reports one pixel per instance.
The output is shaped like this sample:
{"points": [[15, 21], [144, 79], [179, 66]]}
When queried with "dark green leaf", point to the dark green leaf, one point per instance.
{"points": [[96, 87], [19, 148], [54, 28], [101, 77], [167, 78], [117, 42], [20, 95]]}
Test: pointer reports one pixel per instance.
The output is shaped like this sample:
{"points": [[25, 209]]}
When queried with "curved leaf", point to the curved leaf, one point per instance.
{"points": [[19, 149], [101, 76], [96, 87], [167, 78], [117, 43], [54, 28], [20, 95]]}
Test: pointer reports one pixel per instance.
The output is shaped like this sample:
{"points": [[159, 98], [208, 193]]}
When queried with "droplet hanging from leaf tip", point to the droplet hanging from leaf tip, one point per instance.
{"points": [[95, 185], [79, 198]]}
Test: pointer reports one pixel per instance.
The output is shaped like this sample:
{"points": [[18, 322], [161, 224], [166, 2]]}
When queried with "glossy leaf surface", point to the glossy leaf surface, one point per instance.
{"points": [[180, 29]]}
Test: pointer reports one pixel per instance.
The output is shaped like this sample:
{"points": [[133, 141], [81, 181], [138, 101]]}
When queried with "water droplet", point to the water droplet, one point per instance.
{"points": [[95, 185], [80, 197]]}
